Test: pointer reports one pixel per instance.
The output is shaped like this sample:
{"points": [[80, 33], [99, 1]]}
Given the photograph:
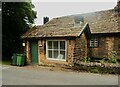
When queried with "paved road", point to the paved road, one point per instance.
{"points": [[24, 76]]}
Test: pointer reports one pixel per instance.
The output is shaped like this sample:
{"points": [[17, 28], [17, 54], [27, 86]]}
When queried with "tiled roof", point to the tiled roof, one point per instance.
{"points": [[99, 22], [57, 27], [103, 21]]}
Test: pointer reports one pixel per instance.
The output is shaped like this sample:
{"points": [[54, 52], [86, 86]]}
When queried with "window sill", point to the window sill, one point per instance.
{"points": [[56, 59]]}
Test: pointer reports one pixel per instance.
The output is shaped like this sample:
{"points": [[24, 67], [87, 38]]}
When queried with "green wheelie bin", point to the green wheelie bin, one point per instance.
{"points": [[14, 59], [20, 59]]}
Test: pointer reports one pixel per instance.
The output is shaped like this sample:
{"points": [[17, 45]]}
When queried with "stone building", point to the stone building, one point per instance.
{"points": [[64, 39], [61, 39]]}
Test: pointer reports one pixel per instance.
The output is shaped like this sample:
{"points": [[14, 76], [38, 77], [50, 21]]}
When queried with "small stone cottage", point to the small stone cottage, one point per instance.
{"points": [[59, 40], [65, 39]]}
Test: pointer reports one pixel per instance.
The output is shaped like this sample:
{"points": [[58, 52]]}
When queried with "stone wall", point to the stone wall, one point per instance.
{"points": [[107, 44], [95, 67], [80, 50], [117, 46], [27, 48], [41, 52], [70, 51], [76, 49]]}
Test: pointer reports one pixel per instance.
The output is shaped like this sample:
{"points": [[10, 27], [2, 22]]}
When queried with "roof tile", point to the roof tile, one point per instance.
{"points": [[99, 22]]}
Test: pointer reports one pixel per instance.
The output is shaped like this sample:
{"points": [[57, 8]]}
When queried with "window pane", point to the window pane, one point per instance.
{"points": [[55, 44], [49, 44], [96, 43], [62, 55], [49, 53], [62, 45], [92, 43], [55, 54], [56, 49]]}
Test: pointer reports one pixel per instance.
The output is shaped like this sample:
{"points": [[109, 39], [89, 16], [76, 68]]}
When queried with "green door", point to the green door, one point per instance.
{"points": [[34, 52]]}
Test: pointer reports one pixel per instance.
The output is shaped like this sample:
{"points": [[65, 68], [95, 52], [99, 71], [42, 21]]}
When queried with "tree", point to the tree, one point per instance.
{"points": [[17, 18], [117, 7]]}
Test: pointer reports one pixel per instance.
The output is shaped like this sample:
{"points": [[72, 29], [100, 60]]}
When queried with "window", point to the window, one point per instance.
{"points": [[56, 49], [94, 42]]}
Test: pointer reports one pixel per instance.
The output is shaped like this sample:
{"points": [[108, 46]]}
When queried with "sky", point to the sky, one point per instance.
{"points": [[57, 9]]}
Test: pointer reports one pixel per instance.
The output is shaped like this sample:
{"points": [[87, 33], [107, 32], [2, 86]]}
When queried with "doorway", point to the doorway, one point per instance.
{"points": [[34, 52]]}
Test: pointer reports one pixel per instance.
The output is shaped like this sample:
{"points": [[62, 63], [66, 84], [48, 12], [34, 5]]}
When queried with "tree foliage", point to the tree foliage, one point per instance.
{"points": [[17, 18], [117, 7]]}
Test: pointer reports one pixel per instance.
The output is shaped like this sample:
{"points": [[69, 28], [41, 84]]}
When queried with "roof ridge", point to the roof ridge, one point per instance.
{"points": [[82, 14]]}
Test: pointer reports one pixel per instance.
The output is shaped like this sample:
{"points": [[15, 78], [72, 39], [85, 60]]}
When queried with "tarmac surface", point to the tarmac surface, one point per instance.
{"points": [[13, 75]]}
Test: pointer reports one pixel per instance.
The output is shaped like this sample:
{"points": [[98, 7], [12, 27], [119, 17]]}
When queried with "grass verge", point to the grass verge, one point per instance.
{"points": [[5, 62]]}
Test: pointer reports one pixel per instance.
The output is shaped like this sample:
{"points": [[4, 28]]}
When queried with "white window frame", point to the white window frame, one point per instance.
{"points": [[94, 42], [58, 49]]}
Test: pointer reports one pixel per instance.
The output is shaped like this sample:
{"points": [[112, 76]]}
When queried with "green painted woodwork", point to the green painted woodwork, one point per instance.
{"points": [[34, 52]]}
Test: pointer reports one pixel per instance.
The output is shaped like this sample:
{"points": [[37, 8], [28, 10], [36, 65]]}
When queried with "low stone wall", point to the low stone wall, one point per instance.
{"points": [[98, 67]]}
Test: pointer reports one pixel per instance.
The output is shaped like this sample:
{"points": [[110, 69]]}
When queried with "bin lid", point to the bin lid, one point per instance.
{"points": [[19, 54]]}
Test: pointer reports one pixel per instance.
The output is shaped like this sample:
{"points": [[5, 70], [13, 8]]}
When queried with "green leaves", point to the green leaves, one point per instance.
{"points": [[16, 20]]}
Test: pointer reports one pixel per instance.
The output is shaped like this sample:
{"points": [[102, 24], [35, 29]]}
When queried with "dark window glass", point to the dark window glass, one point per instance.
{"points": [[62, 45], [55, 44], [49, 44]]}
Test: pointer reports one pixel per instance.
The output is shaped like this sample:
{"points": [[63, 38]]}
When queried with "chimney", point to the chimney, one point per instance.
{"points": [[45, 20]]}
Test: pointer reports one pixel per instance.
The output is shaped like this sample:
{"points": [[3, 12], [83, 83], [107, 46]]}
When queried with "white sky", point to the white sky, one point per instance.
{"points": [[56, 9]]}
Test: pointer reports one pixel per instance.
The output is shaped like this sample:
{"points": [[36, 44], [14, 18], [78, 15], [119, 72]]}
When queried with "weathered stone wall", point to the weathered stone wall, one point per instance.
{"points": [[76, 49], [42, 60], [41, 52], [28, 57], [95, 67], [70, 51], [117, 46], [80, 50], [106, 45]]}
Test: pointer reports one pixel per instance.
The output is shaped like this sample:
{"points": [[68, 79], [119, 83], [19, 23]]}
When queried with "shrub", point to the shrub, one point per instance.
{"points": [[112, 57]]}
